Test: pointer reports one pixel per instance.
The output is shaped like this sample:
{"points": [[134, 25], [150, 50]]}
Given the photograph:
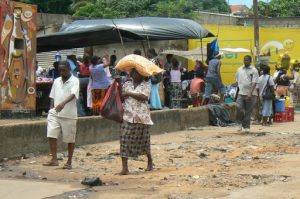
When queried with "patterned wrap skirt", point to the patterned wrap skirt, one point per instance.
{"points": [[134, 139], [175, 95], [97, 99]]}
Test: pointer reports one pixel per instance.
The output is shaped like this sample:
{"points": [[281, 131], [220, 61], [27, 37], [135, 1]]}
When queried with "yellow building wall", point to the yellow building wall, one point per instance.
{"points": [[277, 40]]}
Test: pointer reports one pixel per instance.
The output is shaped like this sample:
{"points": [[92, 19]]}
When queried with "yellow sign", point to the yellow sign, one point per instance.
{"points": [[274, 40]]}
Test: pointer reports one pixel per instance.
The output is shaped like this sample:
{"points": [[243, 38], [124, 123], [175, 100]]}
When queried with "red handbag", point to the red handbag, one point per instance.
{"points": [[111, 107]]}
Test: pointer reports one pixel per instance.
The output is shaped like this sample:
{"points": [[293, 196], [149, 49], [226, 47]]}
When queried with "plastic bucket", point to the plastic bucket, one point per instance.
{"points": [[279, 105]]}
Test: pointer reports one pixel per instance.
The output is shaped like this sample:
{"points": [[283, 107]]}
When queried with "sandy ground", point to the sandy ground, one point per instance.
{"points": [[208, 162]]}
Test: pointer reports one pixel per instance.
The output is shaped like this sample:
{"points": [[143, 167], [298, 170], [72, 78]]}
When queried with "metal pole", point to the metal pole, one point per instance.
{"points": [[229, 12], [256, 29], [201, 50]]}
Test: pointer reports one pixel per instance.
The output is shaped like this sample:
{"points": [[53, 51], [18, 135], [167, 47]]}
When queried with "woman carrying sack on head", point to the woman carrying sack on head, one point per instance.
{"points": [[135, 134]]}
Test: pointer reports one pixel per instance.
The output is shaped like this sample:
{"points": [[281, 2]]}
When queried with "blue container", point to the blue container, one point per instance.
{"points": [[228, 100], [279, 105]]}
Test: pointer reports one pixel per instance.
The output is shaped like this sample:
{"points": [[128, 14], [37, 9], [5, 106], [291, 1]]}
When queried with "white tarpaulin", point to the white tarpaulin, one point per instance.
{"points": [[198, 53]]}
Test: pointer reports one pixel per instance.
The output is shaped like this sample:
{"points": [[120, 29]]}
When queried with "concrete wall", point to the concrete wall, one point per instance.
{"points": [[30, 136], [215, 18], [288, 22], [45, 19]]}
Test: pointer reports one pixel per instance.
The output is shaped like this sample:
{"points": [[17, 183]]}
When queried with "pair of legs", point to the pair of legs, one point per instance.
{"points": [[212, 83], [134, 141], [266, 111], [53, 149], [125, 170], [246, 106], [56, 126], [196, 100]]}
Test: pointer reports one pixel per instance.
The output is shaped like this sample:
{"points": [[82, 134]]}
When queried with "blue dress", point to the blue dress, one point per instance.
{"points": [[155, 102]]}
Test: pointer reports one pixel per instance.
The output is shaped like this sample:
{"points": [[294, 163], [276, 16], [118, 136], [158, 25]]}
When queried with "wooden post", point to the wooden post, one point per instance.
{"points": [[121, 39], [256, 29], [201, 49]]}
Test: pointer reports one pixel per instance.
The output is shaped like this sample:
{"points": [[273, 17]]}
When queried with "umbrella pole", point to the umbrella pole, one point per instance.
{"points": [[121, 39], [148, 42], [143, 48], [201, 49]]}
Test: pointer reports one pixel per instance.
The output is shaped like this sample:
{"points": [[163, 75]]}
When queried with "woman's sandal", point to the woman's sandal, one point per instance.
{"points": [[67, 166]]}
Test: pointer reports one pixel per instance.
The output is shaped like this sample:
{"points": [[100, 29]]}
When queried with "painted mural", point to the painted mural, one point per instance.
{"points": [[17, 56]]}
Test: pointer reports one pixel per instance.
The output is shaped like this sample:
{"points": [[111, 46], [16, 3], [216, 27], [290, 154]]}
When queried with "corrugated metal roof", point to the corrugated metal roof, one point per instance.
{"points": [[46, 59]]}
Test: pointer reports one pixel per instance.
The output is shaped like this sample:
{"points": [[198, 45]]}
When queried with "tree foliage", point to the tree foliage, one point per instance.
{"points": [[280, 8], [174, 8], [128, 8], [113, 9], [133, 8], [211, 5]]}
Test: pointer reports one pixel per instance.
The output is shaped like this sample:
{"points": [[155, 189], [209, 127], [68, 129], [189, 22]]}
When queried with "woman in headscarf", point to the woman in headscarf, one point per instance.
{"points": [[135, 134], [175, 81]]}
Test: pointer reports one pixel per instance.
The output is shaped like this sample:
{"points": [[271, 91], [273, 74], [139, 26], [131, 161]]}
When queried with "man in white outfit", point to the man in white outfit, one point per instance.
{"points": [[247, 78], [62, 117]]}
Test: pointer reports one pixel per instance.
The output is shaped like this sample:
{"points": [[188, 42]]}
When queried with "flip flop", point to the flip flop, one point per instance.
{"points": [[67, 166], [51, 164]]}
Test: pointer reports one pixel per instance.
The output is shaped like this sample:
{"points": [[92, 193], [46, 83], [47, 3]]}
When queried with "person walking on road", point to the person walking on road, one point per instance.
{"points": [[246, 78], [135, 134], [62, 116], [265, 81]]}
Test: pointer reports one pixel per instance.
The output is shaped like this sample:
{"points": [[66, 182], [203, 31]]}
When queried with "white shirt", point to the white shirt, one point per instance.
{"points": [[246, 78], [175, 76], [262, 83], [39, 71], [61, 91], [107, 71]]}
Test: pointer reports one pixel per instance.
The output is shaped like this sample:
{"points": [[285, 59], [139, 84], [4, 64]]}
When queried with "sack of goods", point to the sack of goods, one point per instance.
{"points": [[285, 61], [141, 64]]}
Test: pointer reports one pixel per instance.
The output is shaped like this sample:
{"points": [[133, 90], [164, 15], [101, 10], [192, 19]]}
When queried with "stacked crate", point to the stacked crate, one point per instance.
{"points": [[284, 114]]}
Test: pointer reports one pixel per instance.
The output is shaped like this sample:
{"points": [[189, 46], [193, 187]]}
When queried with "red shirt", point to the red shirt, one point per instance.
{"points": [[197, 85], [84, 70]]}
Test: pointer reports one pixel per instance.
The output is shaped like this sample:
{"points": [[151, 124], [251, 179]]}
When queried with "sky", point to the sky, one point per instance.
{"points": [[243, 2]]}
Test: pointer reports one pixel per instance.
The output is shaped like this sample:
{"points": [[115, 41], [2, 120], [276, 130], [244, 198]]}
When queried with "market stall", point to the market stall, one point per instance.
{"points": [[43, 88], [84, 33]]}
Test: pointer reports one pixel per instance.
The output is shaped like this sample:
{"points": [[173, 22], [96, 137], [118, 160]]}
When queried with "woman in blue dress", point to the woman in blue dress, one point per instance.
{"points": [[155, 103]]}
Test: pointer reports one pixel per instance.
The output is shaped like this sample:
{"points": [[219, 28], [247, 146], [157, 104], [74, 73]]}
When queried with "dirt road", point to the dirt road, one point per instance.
{"points": [[207, 162]]}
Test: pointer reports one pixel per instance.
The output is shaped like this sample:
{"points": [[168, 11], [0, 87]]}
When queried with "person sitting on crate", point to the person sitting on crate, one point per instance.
{"points": [[197, 88]]}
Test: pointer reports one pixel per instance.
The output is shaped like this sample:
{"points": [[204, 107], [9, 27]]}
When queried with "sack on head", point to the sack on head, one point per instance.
{"points": [[141, 64]]}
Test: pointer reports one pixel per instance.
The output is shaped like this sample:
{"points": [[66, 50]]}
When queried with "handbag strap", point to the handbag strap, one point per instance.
{"points": [[267, 85]]}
